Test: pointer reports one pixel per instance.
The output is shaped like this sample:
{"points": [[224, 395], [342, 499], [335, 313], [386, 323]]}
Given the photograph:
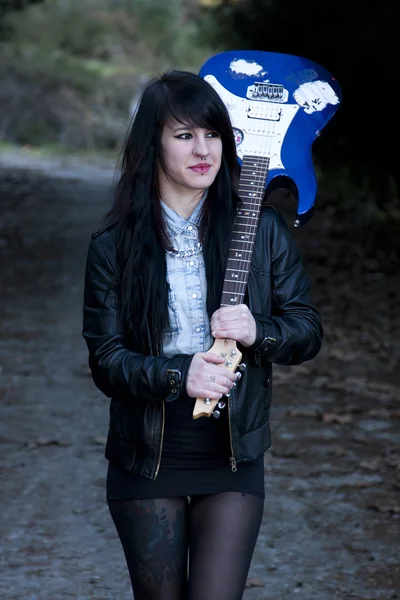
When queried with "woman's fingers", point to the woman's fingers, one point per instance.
{"points": [[207, 380]]}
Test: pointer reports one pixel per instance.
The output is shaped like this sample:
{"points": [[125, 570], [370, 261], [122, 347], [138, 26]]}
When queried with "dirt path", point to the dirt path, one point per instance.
{"points": [[331, 527]]}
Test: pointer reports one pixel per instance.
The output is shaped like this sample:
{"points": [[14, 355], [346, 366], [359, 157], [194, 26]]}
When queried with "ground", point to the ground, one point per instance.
{"points": [[331, 527]]}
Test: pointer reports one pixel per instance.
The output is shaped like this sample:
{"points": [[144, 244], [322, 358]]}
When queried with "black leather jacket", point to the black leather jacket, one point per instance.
{"points": [[288, 332]]}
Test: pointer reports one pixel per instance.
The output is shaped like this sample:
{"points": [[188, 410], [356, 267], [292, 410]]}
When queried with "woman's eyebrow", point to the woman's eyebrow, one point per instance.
{"points": [[185, 127]]}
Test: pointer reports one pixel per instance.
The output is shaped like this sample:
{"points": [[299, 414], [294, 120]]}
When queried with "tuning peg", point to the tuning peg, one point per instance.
{"points": [[216, 414], [221, 404], [242, 366], [207, 401], [238, 376]]}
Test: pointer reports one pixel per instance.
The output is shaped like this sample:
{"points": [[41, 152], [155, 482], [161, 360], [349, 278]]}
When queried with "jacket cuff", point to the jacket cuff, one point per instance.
{"points": [[263, 343], [174, 376]]}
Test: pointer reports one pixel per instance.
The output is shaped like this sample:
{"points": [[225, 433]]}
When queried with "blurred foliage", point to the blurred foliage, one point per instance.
{"points": [[153, 31], [356, 43], [73, 69], [9, 6]]}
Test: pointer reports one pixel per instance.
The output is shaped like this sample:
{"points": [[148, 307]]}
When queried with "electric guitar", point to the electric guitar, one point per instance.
{"points": [[278, 105]]}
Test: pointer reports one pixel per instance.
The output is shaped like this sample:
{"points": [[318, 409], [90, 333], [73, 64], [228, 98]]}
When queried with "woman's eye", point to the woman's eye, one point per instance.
{"points": [[213, 134], [184, 136]]}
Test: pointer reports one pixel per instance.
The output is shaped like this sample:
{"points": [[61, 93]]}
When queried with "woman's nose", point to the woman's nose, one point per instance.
{"points": [[201, 148]]}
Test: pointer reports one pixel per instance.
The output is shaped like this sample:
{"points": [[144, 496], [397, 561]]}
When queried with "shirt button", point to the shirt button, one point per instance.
{"points": [[191, 263], [198, 329], [190, 228], [194, 295]]}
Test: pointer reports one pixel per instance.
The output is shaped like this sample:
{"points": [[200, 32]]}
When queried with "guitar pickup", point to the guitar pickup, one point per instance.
{"points": [[264, 113]]}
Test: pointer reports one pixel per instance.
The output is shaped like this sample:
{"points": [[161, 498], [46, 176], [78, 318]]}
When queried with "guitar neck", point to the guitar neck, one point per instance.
{"points": [[253, 176]]}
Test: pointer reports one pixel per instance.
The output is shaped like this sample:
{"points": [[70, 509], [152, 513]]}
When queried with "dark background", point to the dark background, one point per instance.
{"points": [[70, 75]]}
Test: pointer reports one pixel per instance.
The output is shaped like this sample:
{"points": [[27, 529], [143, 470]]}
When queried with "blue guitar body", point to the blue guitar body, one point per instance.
{"points": [[278, 104]]}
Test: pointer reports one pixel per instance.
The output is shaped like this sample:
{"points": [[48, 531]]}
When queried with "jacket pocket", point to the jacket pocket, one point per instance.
{"points": [[119, 452]]}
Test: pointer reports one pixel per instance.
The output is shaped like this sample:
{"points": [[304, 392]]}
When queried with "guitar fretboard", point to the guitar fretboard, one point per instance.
{"points": [[253, 176]]}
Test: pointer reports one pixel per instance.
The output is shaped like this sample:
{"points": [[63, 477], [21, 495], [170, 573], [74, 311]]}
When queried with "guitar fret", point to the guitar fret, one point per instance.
{"points": [[234, 286], [252, 225], [245, 218], [255, 188], [251, 192], [252, 172], [241, 249], [253, 176], [236, 270], [234, 289], [253, 185], [237, 292], [255, 214]]}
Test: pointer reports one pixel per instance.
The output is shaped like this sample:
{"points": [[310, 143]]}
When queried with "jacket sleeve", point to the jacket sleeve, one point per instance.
{"points": [[117, 370], [293, 333]]}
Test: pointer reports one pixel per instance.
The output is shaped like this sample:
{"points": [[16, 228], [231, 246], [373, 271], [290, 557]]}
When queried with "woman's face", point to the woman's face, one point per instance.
{"points": [[192, 156]]}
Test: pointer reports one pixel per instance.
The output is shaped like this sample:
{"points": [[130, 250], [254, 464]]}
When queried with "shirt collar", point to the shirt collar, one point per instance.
{"points": [[175, 223]]}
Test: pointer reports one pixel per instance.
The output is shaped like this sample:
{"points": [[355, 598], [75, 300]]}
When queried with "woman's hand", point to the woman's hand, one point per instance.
{"points": [[235, 323], [206, 379]]}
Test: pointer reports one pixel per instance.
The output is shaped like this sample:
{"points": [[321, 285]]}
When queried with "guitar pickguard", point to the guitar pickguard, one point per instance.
{"points": [[263, 124]]}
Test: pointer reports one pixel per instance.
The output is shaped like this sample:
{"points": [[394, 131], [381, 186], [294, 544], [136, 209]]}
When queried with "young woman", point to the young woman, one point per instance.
{"points": [[186, 495]]}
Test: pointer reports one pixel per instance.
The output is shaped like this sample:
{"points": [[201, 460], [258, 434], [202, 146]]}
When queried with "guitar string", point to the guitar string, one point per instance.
{"points": [[260, 161], [263, 161], [264, 152], [257, 188], [259, 180]]}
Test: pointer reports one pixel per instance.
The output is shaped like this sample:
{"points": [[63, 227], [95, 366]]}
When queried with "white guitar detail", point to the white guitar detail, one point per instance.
{"points": [[264, 124], [315, 95]]}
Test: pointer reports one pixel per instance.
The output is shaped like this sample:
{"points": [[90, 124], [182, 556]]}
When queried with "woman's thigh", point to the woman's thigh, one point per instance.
{"points": [[154, 537], [223, 533]]}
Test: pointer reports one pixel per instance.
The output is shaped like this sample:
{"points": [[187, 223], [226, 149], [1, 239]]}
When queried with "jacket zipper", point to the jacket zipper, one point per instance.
{"points": [[162, 430], [232, 459], [161, 441]]}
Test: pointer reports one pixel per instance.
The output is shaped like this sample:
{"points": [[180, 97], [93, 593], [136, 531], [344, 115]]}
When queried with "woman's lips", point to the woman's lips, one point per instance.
{"points": [[201, 168]]}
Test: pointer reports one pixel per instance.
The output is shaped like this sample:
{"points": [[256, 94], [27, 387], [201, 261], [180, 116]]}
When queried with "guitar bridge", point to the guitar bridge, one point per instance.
{"points": [[267, 92]]}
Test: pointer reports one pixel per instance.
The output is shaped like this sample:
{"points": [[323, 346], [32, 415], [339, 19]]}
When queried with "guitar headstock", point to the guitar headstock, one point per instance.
{"points": [[227, 348]]}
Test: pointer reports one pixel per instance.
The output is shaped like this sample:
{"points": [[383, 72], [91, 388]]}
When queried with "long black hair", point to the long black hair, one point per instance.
{"points": [[136, 210]]}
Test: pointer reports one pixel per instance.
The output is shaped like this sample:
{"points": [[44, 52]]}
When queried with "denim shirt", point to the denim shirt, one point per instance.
{"points": [[189, 329]]}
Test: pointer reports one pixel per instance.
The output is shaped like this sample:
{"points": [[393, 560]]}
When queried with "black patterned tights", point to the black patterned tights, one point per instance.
{"points": [[217, 533]]}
